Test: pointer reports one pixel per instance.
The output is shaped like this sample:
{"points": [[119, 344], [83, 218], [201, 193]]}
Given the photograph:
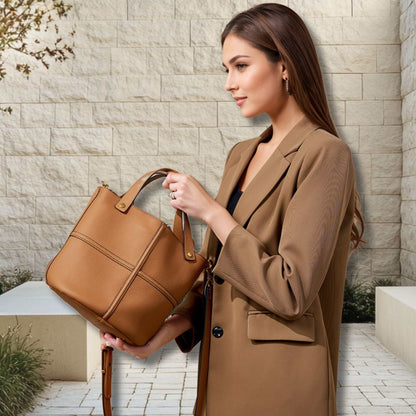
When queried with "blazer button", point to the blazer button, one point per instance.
{"points": [[218, 280], [217, 332]]}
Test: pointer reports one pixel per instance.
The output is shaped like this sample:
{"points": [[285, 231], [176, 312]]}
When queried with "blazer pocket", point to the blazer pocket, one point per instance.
{"points": [[267, 326]]}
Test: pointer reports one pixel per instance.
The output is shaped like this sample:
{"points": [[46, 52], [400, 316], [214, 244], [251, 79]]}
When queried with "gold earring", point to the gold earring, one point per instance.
{"points": [[287, 86]]}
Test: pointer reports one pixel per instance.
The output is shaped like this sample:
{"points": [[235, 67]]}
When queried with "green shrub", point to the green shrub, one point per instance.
{"points": [[9, 280], [20, 365], [359, 300]]}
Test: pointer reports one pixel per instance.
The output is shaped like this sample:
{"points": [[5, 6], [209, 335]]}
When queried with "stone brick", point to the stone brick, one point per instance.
{"points": [[63, 115], [48, 237], [10, 120], [409, 162], [371, 8], [407, 22], [152, 33], [34, 141], [209, 60], [193, 88], [223, 139], [95, 33], [81, 115], [178, 141], [408, 237], [150, 9], [229, 114], [124, 88], [324, 30], [380, 139], [351, 136], [11, 259], [337, 109], [58, 89], [392, 112], [386, 165], [408, 188], [128, 61], [408, 51], [374, 30], [364, 112], [372, 86], [190, 9], [390, 186], [3, 175], [170, 60], [346, 87], [207, 32], [347, 58], [408, 212], [134, 114], [409, 135], [386, 261], [100, 10], [408, 79], [14, 236], [107, 169], [193, 114], [37, 115], [17, 210], [91, 61], [382, 235], [49, 175], [409, 107], [382, 208], [81, 141], [59, 210], [319, 8], [388, 58], [19, 89], [135, 141]]}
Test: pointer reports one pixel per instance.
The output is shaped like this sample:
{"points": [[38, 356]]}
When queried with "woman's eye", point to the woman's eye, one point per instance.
{"points": [[240, 66]]}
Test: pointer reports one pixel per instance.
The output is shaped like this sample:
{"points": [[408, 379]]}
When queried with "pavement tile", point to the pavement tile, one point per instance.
{"points": [[371, 381]]}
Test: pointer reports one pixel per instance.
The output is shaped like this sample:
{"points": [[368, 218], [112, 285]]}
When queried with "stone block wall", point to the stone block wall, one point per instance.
{"points": [[138, 96], [408, 187]]}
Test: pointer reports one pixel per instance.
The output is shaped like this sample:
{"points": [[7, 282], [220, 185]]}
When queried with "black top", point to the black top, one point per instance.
{"points": [[235, 196]]}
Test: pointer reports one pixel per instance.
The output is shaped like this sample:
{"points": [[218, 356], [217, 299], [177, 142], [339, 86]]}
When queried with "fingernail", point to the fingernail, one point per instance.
{"points": [[108, 343]]}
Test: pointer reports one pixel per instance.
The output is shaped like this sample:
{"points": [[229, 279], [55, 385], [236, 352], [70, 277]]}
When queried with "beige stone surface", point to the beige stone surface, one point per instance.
{"points": [[146, 90]]}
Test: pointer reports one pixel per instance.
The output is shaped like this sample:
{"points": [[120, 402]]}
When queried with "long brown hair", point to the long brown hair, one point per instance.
{"points": [[281, 34]]}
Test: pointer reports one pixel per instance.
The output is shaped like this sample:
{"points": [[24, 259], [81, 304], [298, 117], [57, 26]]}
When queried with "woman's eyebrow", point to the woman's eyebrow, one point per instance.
{"points": [[235, 58]]}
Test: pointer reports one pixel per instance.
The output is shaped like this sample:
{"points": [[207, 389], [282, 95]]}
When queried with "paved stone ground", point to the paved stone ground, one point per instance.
{"points": [[371, 381]]}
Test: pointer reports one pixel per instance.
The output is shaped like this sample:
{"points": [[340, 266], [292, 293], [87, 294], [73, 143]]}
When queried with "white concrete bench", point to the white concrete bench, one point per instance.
{"points": [[395, 324], [75, 343]]}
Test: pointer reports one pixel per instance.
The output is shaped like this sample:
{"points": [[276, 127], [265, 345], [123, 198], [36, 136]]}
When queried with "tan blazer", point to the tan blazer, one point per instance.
{"points": [[283, 269]]}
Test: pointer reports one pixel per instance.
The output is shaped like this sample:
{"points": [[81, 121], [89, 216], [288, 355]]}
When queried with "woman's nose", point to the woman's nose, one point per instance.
{"points": [[230, 83]]}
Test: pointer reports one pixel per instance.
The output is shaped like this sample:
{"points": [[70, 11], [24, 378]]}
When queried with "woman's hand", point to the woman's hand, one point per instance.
{"points": [[190, 196], [173, 326]]}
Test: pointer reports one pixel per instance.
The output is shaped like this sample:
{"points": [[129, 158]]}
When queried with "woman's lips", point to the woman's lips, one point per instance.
{"points": [[241, 100]]}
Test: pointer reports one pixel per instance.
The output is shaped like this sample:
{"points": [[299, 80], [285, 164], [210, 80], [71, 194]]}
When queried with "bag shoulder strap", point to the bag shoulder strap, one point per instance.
{"points": [[106, 369]]}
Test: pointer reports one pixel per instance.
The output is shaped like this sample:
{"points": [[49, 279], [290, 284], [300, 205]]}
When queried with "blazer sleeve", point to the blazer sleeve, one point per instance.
{"points": [[286, 283], [192, 306]]}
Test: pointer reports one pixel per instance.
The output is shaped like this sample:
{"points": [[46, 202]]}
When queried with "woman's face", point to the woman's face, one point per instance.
{"points": [[254, 77]]}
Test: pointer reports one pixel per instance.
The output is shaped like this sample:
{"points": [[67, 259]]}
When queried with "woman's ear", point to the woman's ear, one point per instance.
{"points": [[284, 70]]}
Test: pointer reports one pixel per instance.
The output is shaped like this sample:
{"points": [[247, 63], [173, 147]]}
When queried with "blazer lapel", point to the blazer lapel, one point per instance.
{"points": [[268, 176]]}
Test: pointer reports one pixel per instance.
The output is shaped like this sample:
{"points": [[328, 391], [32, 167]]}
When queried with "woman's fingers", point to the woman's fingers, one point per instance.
{"points": [[136, 351]]}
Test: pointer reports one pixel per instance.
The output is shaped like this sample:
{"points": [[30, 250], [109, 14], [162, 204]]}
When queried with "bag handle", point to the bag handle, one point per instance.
{"points": [[106, 370], [181, 227]]}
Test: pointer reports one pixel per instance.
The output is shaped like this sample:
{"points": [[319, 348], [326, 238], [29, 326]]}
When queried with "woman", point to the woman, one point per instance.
{"points": [[279, 231]]}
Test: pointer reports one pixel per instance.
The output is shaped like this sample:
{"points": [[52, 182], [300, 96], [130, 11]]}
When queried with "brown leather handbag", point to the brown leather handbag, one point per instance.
{"points": [[123, 269]]}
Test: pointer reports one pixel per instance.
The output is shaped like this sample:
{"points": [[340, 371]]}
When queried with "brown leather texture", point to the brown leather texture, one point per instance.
{"points": [[123, 269], [107, 371]]}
